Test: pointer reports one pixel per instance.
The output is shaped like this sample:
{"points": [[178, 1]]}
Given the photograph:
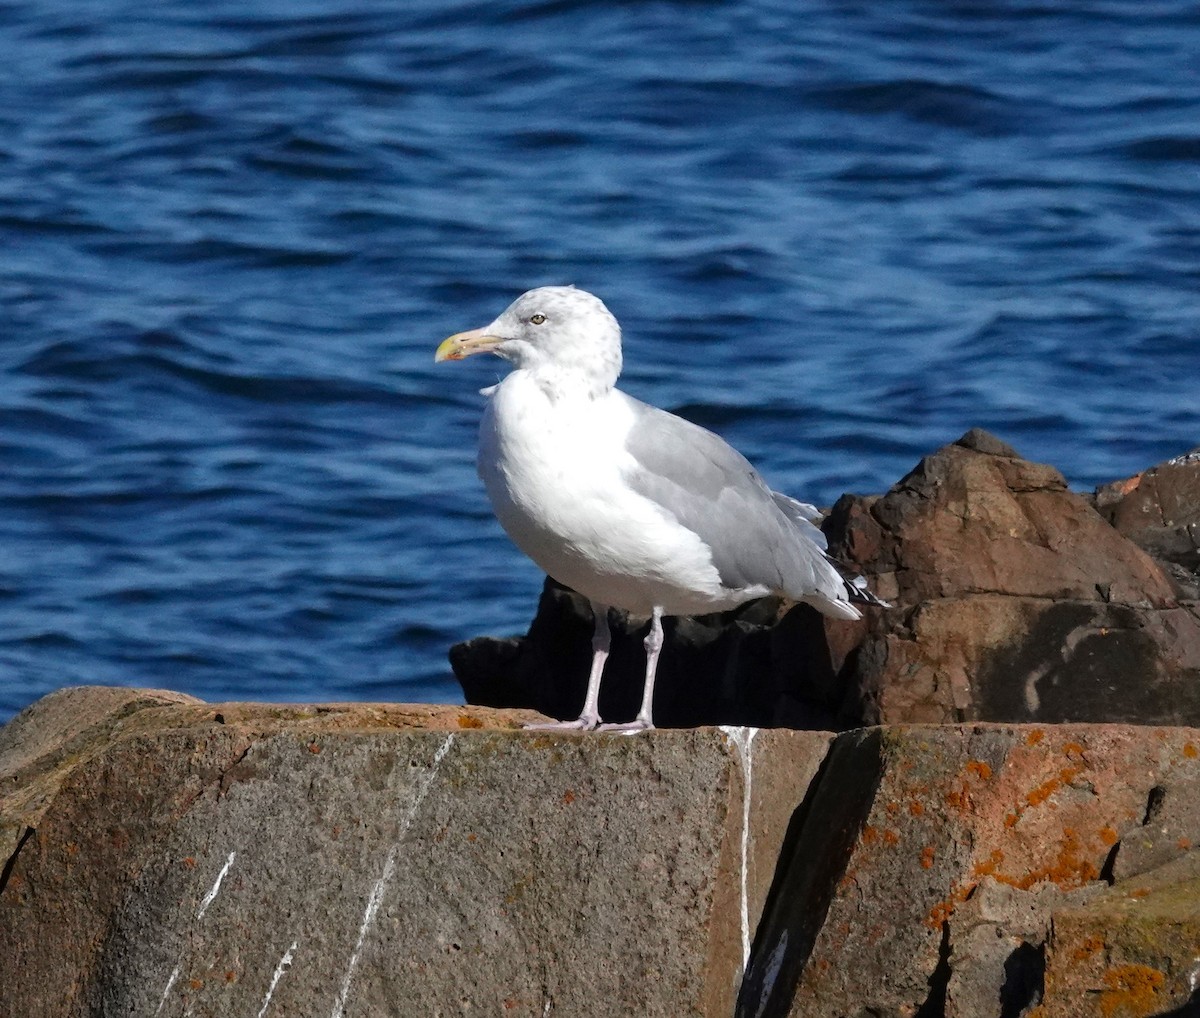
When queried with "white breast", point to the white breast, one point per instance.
{"points": [[552, 469]]}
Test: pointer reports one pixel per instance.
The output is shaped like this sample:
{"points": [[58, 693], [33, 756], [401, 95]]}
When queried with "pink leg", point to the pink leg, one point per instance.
{"points": [[644, 721], [590, 717]]}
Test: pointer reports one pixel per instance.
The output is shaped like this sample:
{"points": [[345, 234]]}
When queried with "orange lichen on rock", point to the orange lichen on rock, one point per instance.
{"points": [[916, 808], [1073, 749], [1108, 836], [988, 867], [1038, 795], [960, 799], [1131, 991], [1048, 787], [927, 856], [944, 909], [1034, 737], [1071, 868], [1089, 946], [940, 913], [1190, 751], [466, 721], [980, 769]]}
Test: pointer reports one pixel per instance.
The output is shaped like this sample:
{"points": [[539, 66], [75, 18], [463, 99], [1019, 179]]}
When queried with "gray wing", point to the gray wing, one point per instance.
{"points": [[807, 518], [756, 536]]}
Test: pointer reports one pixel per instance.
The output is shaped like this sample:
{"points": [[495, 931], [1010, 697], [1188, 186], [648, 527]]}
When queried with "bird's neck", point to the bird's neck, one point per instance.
{"points": [[564, 383]]}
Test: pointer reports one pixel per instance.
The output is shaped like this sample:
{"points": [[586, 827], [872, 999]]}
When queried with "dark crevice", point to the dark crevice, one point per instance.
{"points": [[939, 981], [6, 873], [231, 772], [1107, 871], [1024, 980], [819, 842], [1154, 803]]}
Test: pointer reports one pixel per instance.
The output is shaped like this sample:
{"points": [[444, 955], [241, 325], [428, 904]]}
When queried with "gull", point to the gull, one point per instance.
{"points": [[629, 505]]}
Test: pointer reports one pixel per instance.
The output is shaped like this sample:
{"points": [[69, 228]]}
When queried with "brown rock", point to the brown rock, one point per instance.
{"points": [[1014, 601], [1159, 510], [257, 859]]}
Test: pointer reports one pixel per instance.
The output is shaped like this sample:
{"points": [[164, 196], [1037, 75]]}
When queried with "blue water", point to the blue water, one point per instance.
{"points": [[231, 235]]}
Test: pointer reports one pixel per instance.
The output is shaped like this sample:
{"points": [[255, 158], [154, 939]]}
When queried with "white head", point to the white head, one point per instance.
{"points": [[554, 331]]}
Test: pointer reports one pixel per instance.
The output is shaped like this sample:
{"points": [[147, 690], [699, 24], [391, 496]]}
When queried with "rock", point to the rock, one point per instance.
{"points": [[1131, 951], [736, 667], [350, 859], [1159, 510], [1014, 601], [353, 859], [62, 731], [931, 864]]}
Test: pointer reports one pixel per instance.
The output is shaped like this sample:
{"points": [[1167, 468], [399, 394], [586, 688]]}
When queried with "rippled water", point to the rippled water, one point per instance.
{"points": [[840, 234]]}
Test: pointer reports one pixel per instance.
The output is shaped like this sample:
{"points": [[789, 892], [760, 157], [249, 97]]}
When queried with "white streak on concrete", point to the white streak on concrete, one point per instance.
{"points": [[167, 989], [216, 887], [389, 867], [743, 738], [284, 962]]}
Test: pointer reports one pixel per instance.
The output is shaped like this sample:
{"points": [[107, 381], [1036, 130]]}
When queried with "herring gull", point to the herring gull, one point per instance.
{"points": [[625, 503]]}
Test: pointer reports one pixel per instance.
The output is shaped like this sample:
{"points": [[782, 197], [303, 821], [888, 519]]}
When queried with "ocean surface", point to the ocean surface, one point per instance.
{"points": [[840, 234]]}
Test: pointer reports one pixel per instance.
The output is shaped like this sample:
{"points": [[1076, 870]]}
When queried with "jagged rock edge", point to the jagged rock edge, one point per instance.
{"points": [[775, 966]]}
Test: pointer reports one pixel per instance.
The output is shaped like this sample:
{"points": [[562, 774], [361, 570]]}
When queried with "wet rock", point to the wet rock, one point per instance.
{"points": [[352, 859]]}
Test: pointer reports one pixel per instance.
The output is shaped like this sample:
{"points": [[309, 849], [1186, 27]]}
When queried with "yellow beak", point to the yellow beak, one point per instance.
{"points": [[463, 344]]}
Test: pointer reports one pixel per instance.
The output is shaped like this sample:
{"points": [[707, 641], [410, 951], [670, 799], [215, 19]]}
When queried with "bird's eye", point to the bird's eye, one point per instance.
{"points": [[538, 319]]}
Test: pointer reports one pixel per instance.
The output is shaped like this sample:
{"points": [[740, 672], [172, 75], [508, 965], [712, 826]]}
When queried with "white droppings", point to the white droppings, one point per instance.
{"points": [[216, 887], [284, 962], [389, 867], [167, 989], [743, 738]]}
